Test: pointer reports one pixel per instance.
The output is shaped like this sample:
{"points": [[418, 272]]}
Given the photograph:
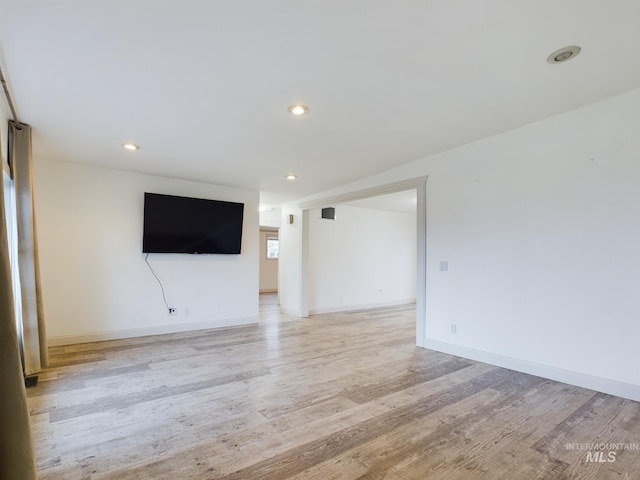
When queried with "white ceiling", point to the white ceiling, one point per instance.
{"points": [[204, 85]]}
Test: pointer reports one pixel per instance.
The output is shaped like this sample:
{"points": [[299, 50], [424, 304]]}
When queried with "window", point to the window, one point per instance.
{"points": [[273, 248]]}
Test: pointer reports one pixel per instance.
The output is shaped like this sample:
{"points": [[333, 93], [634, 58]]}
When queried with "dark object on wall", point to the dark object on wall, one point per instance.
{"points": [[191, 225], [329, 213]]}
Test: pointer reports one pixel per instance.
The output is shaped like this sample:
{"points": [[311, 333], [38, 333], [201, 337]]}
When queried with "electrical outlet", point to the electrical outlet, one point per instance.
{"points": [[444, 266], [172, 312], [454, 328]]}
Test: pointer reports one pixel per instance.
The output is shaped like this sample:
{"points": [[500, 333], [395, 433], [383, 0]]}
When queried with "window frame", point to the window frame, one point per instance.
{"points": [[268, 240]]}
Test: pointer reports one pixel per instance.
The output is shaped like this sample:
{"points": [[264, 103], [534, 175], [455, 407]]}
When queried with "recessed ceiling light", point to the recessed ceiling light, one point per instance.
{"points": [[130, 146], [563, 54], [291, 177], [298, 110]]}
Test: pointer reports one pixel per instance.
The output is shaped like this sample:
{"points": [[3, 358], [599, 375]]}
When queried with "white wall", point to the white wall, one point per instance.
{"points": [[540, 228], [95, 282], [290, 262], [271, 218], [4, 133], [268, 266], [363, 258]]}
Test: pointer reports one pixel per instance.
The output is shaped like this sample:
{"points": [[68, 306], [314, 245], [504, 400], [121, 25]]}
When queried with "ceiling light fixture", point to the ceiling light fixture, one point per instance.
{"points": [[130, 146], [298, 110], [291, 177], [563, 54]]}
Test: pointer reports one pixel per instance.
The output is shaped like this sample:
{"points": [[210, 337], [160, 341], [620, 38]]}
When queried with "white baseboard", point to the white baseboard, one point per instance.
{"points": [[605, 385], [146, 331], [348, 308], [294, 312]]}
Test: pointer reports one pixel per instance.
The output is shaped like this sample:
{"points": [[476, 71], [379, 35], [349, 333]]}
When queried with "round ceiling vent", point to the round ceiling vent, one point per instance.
{"points": [[563, 54]]}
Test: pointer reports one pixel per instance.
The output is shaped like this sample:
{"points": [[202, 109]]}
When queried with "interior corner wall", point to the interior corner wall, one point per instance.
{"points": [[96, 284], [364, 258]]}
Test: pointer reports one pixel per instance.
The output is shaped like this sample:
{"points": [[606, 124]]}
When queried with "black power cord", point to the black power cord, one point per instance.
{"points": [[164, 297]]}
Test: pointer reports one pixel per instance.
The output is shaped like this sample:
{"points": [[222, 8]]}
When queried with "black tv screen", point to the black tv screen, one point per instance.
{"points": [[191, 225]]}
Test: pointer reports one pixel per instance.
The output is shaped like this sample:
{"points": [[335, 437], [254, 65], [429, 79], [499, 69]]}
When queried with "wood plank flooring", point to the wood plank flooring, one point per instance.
{"points": [[337, 396]]}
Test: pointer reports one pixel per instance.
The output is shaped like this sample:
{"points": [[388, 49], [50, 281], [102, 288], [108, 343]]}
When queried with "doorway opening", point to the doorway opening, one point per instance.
{"points": [[269, 258], [417, 185]]}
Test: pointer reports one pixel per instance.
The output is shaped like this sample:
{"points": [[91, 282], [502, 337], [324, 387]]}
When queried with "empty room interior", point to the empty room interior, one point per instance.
{"points": [[320, 240]]}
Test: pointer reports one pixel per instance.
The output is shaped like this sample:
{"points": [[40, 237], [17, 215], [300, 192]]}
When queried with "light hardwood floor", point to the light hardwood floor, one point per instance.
{"points": [[339, 396]]}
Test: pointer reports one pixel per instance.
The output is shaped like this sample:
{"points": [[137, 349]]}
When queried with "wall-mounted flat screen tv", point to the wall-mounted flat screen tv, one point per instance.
{"points": [[191, 225]]}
